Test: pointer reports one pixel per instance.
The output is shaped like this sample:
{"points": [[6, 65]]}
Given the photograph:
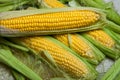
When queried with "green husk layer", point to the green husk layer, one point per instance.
{"points": [[6, 5], [7, 58], [16, 33], [8, 43], [111, 52], [113, 34], [17, 75]]}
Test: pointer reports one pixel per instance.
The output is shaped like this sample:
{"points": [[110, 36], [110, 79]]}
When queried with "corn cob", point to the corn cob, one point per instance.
{"points": [[104, 42], [102, 37], [73, 40], [22, 23], [47, 21], [63, 58], [52, 4]]}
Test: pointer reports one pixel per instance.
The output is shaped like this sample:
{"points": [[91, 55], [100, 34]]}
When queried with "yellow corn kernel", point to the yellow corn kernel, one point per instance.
{"points": [[52, 21], [54, 3], [64, 59], [102, 37], [74, 42]]}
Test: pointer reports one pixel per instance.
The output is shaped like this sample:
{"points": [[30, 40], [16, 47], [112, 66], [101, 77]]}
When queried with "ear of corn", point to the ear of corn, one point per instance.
{"points": [[81, 46], [113, 22], [68, 62], [102, 38], [52, 4], [107, 7], [104, 42], [50, 21]]}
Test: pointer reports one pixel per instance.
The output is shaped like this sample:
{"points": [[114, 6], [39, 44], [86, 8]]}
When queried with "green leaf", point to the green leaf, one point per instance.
{"points": [[111, 52], [8, 43], [17, 75], [7, 58]]}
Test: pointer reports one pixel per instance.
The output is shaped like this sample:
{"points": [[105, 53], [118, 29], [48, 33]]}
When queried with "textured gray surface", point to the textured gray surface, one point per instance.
{"points": [[5, 73], [103, 67]]}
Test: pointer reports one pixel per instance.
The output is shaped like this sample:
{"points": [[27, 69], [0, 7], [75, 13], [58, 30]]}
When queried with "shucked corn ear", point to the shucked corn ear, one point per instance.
{"points": [[81, 46], [104, 42], [50, 21], [68, 62]]}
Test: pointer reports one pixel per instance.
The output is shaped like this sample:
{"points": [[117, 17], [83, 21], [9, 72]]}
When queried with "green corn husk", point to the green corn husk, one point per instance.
{"points": [[8, 43], [7, 58], [114, 72], [5, 1], [12, 5], [100, 2], [17, 75], [98, 55], [14, 14], [93, 72], [113, 53], [113, 34], [114, 27]]}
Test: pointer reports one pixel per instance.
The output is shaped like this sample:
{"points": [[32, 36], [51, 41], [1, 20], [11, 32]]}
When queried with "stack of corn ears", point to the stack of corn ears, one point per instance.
{"points": [[75, 41], [65, 52]]}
